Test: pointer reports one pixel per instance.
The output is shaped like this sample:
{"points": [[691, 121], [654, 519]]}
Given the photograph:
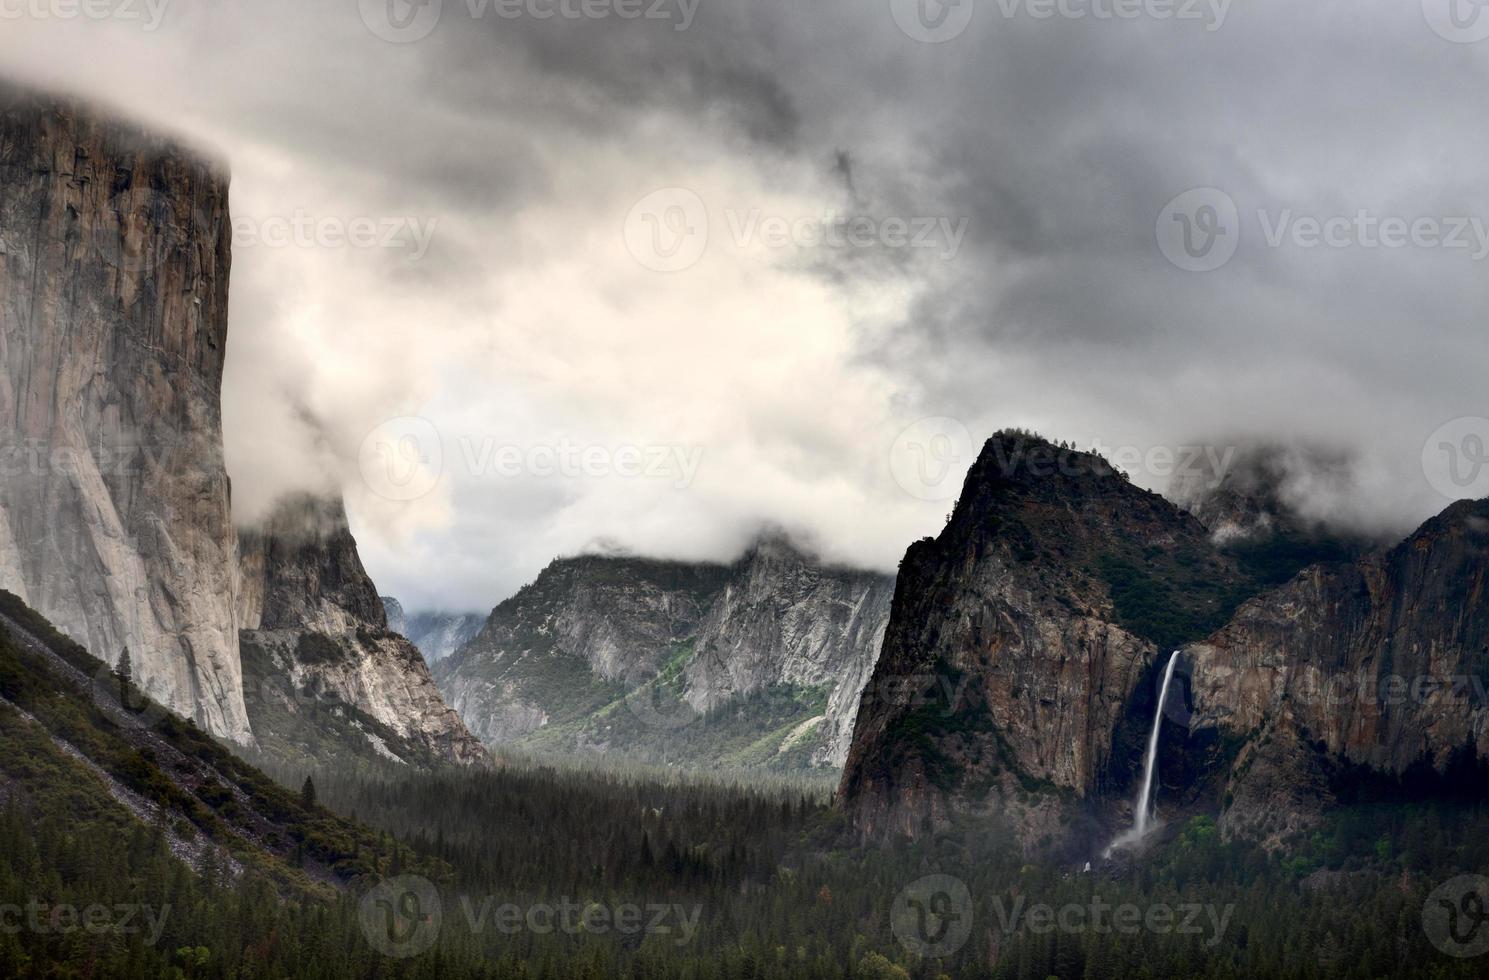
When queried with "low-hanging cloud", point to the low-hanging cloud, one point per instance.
{"points": [[446, 229]]}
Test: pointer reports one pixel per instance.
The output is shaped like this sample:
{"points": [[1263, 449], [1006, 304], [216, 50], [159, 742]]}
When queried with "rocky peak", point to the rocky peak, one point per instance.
{"points": [[1018, 636], [314, 619], [301, 570]]}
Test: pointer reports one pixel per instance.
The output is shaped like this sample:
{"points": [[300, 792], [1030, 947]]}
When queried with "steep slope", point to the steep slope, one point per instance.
{"points": [[1371, 671], [436, 634], [1018, 641], [322, 670], [759, 663], [81, 746], [114, 511]]}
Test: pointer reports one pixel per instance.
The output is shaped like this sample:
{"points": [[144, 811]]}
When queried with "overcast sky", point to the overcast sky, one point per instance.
{"points": [[579, 282]]}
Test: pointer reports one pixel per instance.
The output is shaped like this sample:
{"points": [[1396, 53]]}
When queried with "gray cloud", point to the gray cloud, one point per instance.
{"points": [[794, 367]]}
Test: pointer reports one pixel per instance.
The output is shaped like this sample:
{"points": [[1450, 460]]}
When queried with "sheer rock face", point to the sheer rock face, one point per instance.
{"points": [[307, 604], [784, 619], [775, 619], [114, 507], [1017, 640], [1381, 663]]}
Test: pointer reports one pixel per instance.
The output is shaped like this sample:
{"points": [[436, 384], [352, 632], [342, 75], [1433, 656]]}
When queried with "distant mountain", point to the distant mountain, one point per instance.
{"points": [[436, 634], [759, 663]]}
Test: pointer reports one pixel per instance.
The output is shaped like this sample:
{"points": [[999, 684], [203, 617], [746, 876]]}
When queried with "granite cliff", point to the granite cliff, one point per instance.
{"points": [[115, 520], [115, 509], [758, 663]]}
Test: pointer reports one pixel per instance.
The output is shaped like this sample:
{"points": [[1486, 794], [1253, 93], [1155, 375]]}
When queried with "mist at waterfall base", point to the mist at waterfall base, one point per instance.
{"points": [[1145, 818]]}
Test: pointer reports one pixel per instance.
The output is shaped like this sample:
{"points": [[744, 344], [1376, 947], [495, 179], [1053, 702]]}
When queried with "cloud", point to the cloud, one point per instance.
{"points": [[795, 347]]}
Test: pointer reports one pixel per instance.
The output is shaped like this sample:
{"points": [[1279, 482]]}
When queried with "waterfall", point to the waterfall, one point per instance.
{"points": [[1142, 821]]}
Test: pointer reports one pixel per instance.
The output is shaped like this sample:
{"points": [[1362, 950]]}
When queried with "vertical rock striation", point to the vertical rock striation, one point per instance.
{"points": [[757, 663], [114, 507]]}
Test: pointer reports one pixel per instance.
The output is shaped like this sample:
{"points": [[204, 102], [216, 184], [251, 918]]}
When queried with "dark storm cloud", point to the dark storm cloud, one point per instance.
{"points": [[1053, 144]]}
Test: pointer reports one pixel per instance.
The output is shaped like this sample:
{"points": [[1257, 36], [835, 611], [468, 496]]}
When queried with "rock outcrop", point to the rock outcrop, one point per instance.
{"points": [[1019, 639], [324, 671], [114, 507], [1378, 666], [756, 663]]}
